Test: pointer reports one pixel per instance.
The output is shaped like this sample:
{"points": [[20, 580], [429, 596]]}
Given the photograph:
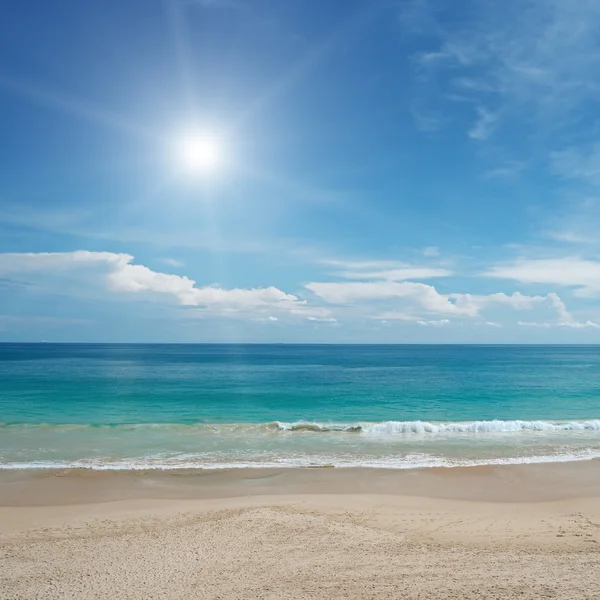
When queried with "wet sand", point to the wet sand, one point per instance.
{"points": [[520, 531]]}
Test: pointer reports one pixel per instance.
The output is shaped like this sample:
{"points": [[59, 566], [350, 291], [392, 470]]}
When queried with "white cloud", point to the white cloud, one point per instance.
{"points": [[569, 272], [322, 319], [569, 237], [424, 295], [434, 323], [119, 275], [11, 263], [305, 311], [568, 324], [138, 278], [82, 273], [431, 251], [172, 262], [408, 318], [419, 302], [393, 315], [401, 274], [269, 319], [516, 301], [388, 270], [484, 126]]}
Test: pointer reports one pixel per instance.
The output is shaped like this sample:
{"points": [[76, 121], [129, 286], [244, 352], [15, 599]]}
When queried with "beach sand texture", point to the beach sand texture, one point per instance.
{"points": [[528, 531]]}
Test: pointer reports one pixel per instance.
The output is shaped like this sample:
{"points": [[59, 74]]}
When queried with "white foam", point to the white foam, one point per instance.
{"points": [[409, 461], [383, 427], [424, 427]]}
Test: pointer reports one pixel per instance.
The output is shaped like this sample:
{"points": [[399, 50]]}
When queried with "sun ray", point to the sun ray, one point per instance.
{"points": [[179, 30], [349, 28], [77, 107]]}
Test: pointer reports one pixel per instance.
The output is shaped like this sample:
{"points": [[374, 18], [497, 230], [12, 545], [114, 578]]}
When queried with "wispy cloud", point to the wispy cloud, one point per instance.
{"points": [[539, 59], [484, 125], [574, 222], [399, 274], [322, 319], [435, 323], [388, 270], [566, 324], [172, 262], [393, 315], [427, 119], [575, 272], [570, 237], [576, 162], [507, 170]]}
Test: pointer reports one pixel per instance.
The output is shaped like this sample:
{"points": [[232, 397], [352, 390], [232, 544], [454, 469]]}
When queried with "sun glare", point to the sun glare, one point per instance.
{"points": [[198, 154]]}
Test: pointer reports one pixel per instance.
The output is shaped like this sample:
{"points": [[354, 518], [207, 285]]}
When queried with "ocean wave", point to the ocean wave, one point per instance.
{"points": [[410, 461], [317, 427], [405, 428], [426, 427]]}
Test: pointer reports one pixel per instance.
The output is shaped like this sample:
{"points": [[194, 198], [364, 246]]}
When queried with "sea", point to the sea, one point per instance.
{"points": [[215, 406]]}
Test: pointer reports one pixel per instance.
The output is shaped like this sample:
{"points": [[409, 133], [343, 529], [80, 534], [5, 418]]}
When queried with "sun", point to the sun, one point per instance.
{"points": [[198, 153]]}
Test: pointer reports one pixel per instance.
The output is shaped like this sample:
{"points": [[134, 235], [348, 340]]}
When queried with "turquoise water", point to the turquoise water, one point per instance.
{"points": [[172, 406]]}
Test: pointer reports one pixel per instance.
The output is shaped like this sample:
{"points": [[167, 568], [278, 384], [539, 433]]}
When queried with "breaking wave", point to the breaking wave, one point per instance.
{"points": [[279, 444], [410, 461], [374, 428], [426, 427]]}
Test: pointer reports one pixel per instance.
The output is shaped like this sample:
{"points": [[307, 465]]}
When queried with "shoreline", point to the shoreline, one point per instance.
{"points": [[501, 532], [542, 482], [297, 444], [439, 463]]}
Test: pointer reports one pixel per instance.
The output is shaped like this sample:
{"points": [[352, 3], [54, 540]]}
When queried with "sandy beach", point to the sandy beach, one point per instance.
{"points": [[526, 531]]}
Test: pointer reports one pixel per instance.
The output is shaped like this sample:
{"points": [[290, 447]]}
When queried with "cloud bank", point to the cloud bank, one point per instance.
{"points": [[120, 275], [370, 291]]}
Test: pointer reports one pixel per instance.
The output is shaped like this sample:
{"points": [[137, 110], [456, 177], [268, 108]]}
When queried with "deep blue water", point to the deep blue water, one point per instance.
{"points": [[65, 396]]}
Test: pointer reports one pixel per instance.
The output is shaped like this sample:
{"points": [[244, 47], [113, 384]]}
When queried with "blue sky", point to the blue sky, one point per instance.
{"points": [[389, 171]]}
